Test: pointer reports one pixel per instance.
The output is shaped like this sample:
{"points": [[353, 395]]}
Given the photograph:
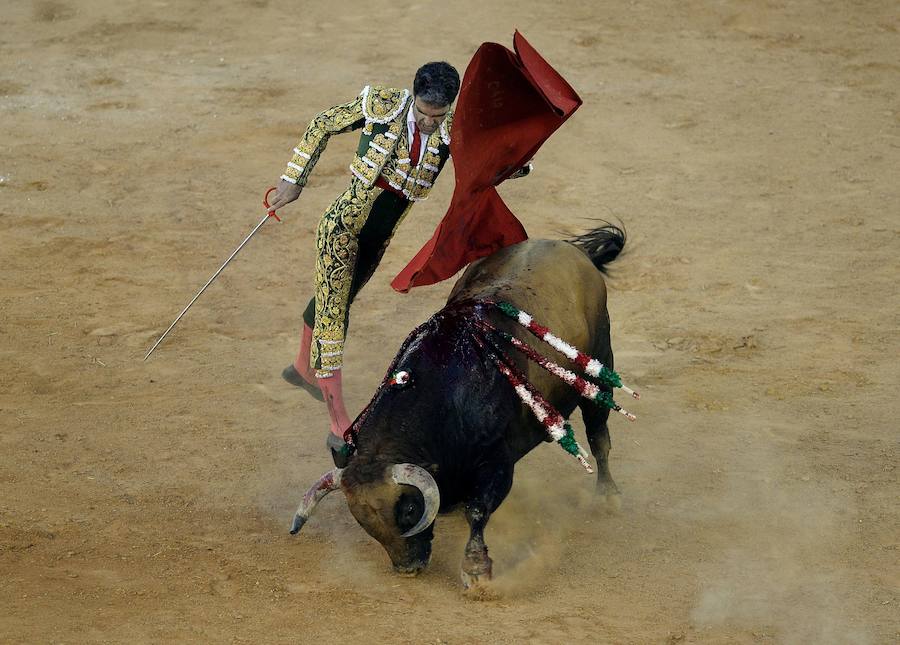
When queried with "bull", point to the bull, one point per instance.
{"points": [[450, 430]]}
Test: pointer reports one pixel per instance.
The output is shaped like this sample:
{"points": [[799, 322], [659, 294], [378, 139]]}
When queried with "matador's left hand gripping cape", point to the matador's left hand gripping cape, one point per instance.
{"points": [[509, 104]]}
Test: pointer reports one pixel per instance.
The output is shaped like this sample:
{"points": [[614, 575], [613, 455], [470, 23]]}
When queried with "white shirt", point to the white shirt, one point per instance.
{"points": [[411, 129]]}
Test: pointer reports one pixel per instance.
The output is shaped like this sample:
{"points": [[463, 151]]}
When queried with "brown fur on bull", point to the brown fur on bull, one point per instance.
{"points": [[452, 434]]}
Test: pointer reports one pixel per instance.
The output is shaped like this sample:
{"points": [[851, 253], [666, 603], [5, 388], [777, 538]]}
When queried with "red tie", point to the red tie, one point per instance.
{"points": [[415, 147]]}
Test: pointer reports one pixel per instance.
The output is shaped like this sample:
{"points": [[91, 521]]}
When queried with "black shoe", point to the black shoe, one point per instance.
{"points": [[292, 376], [340, 451]]}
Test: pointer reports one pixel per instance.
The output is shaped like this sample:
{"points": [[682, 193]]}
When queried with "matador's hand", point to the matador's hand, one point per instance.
{"points": [[524, 171], [286, 193]]}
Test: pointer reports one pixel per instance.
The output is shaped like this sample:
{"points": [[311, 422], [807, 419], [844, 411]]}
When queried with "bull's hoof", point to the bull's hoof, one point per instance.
{"points": [[478, 587], [609, 496], [411, 571], [476, 572], [607, 487]]}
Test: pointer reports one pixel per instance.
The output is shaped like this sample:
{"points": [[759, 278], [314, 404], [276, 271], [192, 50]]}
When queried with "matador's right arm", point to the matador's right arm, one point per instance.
{"points": [[340, 118]]}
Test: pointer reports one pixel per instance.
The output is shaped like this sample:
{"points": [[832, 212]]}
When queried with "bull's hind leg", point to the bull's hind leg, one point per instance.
{"points": [[595, 418]]}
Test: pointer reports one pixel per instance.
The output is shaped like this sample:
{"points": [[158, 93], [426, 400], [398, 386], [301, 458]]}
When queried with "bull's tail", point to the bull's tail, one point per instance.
{"points": [[602, 244]]}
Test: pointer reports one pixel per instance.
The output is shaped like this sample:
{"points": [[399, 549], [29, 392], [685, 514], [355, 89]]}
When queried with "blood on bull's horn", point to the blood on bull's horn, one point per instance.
{"points": [[413, 475], [329, 482], [408, 474]]}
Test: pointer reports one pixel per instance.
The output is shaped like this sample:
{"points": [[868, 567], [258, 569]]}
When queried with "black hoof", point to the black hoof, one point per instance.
{"points": [[476, 570], [292, 376], [478, 586]]}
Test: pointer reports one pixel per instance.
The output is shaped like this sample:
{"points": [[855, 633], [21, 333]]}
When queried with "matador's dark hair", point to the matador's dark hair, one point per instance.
{"points": [[436, 83]]}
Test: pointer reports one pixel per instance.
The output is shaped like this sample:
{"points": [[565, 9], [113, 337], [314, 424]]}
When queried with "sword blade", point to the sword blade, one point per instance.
{"points": [[209, 282]]}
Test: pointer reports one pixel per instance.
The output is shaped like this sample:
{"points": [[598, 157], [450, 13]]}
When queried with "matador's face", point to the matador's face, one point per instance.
{"points": [[428, 117]]}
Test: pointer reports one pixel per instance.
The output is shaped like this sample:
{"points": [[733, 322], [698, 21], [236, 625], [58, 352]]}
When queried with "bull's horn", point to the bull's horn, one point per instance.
{"points": [[329, 482], [417, 476]]}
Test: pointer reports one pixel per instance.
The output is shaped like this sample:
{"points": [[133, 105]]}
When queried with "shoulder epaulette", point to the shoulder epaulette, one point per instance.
{"points": [[445, 128], [383, 104]]}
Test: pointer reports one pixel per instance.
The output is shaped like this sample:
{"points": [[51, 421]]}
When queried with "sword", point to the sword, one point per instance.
{"points": [[216, 274]]}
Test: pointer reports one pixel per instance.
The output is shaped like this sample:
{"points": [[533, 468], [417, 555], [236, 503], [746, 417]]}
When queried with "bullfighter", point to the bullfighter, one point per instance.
{"points": [[403, 146]]}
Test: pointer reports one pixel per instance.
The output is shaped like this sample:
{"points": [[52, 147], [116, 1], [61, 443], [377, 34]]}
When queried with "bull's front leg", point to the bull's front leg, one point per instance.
{"points": [[477, 565], [494, 483]]}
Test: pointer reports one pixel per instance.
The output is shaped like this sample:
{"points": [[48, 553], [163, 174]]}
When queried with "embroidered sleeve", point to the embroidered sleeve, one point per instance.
{"points": [[340, 118]]}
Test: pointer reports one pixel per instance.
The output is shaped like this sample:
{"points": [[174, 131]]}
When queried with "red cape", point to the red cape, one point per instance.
{"points": [[509, 104]]}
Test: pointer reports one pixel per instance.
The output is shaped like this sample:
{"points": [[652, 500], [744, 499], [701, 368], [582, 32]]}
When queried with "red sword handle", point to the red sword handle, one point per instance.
{"points": [[266, 204]]}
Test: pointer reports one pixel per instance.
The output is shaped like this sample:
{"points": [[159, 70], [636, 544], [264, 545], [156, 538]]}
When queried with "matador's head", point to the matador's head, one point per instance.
{"points": [[434, 89]]}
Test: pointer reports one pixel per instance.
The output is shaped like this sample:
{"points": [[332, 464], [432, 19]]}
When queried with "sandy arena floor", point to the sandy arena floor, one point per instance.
{"points": [[752, 150]]}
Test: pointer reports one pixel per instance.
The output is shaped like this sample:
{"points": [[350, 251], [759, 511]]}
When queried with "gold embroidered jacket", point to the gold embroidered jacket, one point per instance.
{"points": [[383, 145]]}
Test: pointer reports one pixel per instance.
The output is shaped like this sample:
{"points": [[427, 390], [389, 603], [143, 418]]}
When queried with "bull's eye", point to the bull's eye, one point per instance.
{"points": [[399, 379], [408, 510]]}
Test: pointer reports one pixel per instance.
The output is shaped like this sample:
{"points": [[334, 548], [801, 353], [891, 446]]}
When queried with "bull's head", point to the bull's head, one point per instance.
{"points": [[395, 507]]}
